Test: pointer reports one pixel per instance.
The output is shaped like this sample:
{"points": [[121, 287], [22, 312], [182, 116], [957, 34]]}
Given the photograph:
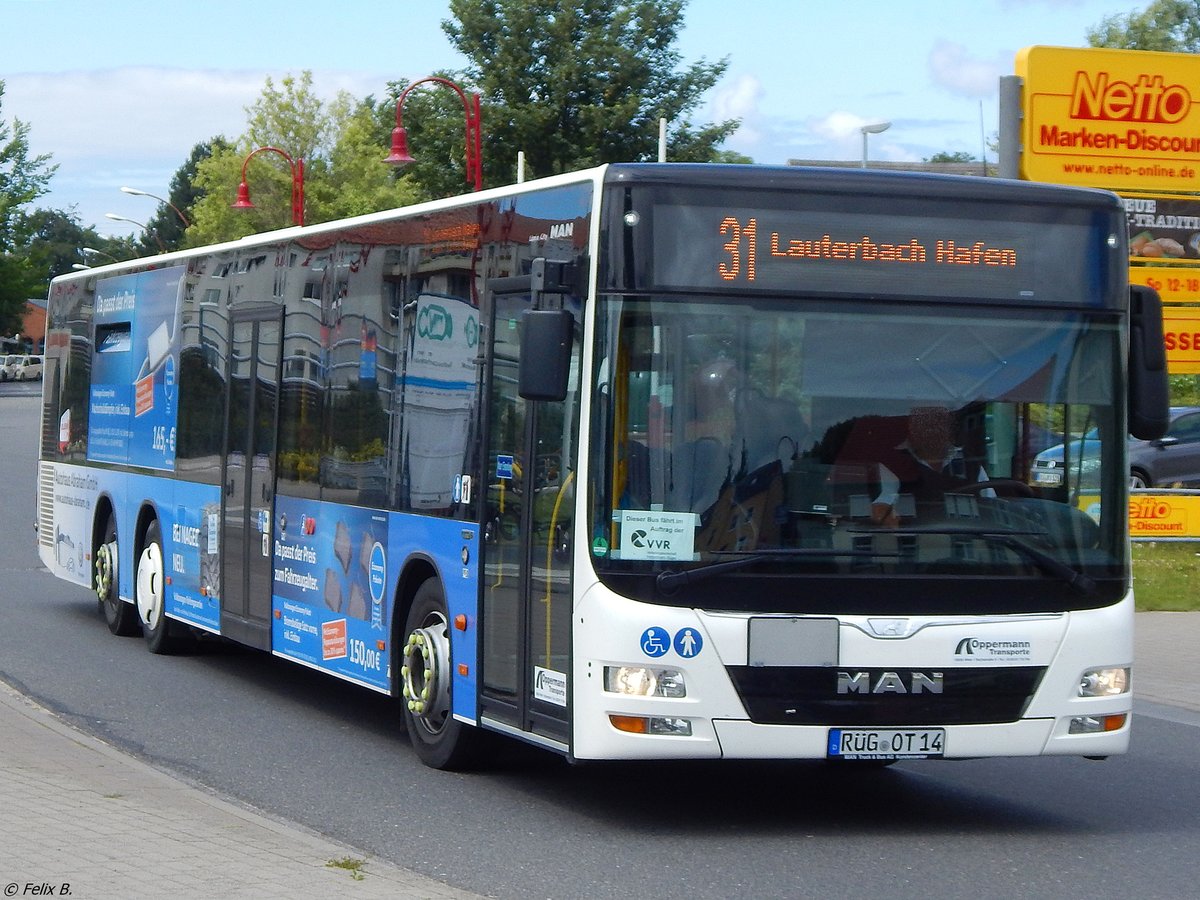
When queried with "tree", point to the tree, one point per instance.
{"points": [[958, 156], [165, 229], [51, 242], [570, 84], [338, 143], [1172, 26], [23, 178]]}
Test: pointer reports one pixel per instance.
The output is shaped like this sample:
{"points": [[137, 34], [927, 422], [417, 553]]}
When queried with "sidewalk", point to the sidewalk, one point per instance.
{"points": [[1166, 659], [90, 822], [78, 813]]}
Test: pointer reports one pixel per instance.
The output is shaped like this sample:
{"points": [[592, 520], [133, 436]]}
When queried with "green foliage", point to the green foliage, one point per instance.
{"points": [[23, 178], [570, 84], [165, 230], [1163, 573], [960, 156], [1172, 26], [337, 142]]}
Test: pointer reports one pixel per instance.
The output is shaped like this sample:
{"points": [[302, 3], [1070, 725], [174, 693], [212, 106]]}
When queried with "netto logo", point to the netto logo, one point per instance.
{"points": [[1146, 100], [1149, 508]]}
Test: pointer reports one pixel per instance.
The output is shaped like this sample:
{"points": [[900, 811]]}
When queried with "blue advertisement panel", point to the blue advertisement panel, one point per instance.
{"points": [[330, 588], [191, 536], [133, 405]]}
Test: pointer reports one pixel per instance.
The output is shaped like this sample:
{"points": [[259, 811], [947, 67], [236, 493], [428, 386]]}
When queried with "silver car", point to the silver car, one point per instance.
{"points": [[1171, 461]]}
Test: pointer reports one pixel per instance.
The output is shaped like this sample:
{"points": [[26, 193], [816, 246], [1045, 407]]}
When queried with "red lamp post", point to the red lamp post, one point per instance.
{"points": [[399, 155], [297, 166]]}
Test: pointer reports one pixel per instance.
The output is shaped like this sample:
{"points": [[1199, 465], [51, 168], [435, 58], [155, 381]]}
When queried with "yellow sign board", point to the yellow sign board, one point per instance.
{"points": [[1117, 119], [1181, 334], [1157, 516], [1174, 284]]}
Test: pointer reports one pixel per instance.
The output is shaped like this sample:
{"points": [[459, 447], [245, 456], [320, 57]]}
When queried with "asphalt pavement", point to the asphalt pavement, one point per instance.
{"points": [[82, 819]]}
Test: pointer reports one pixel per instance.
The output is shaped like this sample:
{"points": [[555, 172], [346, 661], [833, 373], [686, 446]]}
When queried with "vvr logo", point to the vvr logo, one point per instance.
{"points": [[435, 323], [643, 541]]}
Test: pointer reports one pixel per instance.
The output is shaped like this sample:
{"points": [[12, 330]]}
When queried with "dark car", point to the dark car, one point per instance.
{"points": [[1170, 461]]}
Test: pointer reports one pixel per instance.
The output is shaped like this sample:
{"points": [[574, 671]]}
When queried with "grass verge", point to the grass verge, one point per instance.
{"points": [[1162, 573]]}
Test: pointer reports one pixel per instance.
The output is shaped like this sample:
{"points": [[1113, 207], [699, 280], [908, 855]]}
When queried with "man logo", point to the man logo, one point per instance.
{"points": [[890, 683]]}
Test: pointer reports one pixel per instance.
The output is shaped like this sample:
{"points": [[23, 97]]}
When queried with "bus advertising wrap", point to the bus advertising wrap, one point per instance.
{"points": [[133, 405], [330, 573]]}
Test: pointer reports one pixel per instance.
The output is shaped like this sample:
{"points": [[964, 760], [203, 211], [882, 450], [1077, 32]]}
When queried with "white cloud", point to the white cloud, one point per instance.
{"points": [[952, 68], [137, 125]]}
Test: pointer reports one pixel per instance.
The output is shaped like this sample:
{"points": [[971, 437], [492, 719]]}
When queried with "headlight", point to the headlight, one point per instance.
{"points": [[643, 681], [1104, 682]]}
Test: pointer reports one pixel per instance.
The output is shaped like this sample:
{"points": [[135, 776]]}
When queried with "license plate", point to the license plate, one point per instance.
{"points": [[886, 743], [1054, 478]]}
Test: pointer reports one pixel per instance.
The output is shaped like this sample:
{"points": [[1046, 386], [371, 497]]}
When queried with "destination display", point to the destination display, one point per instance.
{"points": [[870, 254]]}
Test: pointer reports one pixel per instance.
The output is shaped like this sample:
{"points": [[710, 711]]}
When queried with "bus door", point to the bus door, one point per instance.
{"points": [[249, 474], [526, 581]]}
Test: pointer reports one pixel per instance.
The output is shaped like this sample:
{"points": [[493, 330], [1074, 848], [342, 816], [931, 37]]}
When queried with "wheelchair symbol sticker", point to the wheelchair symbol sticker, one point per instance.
{"points": [[656, 641]]}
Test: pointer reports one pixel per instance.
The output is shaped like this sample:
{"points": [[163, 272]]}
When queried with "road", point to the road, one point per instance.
{"points": [[334, 759]]}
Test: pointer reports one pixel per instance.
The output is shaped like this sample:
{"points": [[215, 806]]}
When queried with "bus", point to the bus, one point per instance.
{"points": [[613, 462]]}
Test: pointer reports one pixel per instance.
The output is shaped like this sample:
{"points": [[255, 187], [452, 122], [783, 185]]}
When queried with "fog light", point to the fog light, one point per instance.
{"points": [[659, 725], [1096, 724], [1104, 682], [642, 681]]}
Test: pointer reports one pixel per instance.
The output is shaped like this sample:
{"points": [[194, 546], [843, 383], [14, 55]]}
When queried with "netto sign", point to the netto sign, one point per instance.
{"points": [[1117, 119]]}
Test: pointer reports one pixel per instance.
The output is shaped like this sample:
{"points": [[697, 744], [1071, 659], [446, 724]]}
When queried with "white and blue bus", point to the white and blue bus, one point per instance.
{"points": [[622, 463]]}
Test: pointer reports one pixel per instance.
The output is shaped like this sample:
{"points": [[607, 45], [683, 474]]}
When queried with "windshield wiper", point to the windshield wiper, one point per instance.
{"points": [[1010, 539], [670, 581]]}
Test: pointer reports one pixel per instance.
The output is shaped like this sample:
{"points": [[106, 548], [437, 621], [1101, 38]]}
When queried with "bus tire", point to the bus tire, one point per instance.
{"points": [[440, 740], [151, 592], [121, 617]]}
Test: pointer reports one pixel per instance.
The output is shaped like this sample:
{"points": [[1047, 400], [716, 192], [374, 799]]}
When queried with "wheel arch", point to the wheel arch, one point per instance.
{"points": [[105, 509], [147, 514], [417, 569]]}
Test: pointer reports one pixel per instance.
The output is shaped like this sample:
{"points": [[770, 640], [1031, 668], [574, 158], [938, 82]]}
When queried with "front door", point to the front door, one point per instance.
{"points": [[249, 482], [527, 547]]}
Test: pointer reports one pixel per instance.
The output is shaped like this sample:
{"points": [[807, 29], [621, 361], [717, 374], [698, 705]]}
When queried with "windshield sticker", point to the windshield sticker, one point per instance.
{"points": [[656, 641], [688, 642], [658, 535]]}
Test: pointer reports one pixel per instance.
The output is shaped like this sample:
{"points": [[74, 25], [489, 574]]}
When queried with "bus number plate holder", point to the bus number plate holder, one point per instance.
{"points": [[886, 743]]}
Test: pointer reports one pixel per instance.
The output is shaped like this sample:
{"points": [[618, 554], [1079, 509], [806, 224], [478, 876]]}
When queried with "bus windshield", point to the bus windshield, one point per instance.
{"points": [[737, 440]]}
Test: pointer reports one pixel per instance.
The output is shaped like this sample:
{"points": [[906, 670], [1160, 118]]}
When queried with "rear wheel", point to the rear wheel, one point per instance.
{"points": [[1139, 479], [440, 741], [151, 593], [121, 617]]}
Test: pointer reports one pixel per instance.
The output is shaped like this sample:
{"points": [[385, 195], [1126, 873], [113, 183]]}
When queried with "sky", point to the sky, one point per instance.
{"points": [[119, 91]]}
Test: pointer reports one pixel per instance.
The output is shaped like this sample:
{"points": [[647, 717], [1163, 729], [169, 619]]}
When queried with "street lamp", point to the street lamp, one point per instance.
{"points": [[474, 160], [116, 218], [92, 251], [137, 193], [297, 167], [876, 128]]}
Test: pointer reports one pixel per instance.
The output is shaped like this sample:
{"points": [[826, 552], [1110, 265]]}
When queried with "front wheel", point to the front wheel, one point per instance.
{"points": [[1139, 480], [440, 741]]}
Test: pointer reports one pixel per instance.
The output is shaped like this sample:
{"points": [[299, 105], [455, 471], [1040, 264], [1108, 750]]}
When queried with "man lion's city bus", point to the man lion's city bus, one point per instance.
{"points": [[597, 461]]}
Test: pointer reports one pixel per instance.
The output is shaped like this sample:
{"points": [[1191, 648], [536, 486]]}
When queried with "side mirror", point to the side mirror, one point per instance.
{"points": [[1149, 391], [544, 367]]}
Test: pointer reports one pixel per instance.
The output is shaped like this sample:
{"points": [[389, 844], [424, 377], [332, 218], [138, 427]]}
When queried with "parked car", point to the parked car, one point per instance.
{"points": [[1171, 461], [27, 368], [8, 364]]}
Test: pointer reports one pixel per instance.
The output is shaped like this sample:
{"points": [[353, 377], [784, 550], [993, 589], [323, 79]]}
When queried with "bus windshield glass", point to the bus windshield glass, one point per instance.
{"points": [[854, 440]]}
